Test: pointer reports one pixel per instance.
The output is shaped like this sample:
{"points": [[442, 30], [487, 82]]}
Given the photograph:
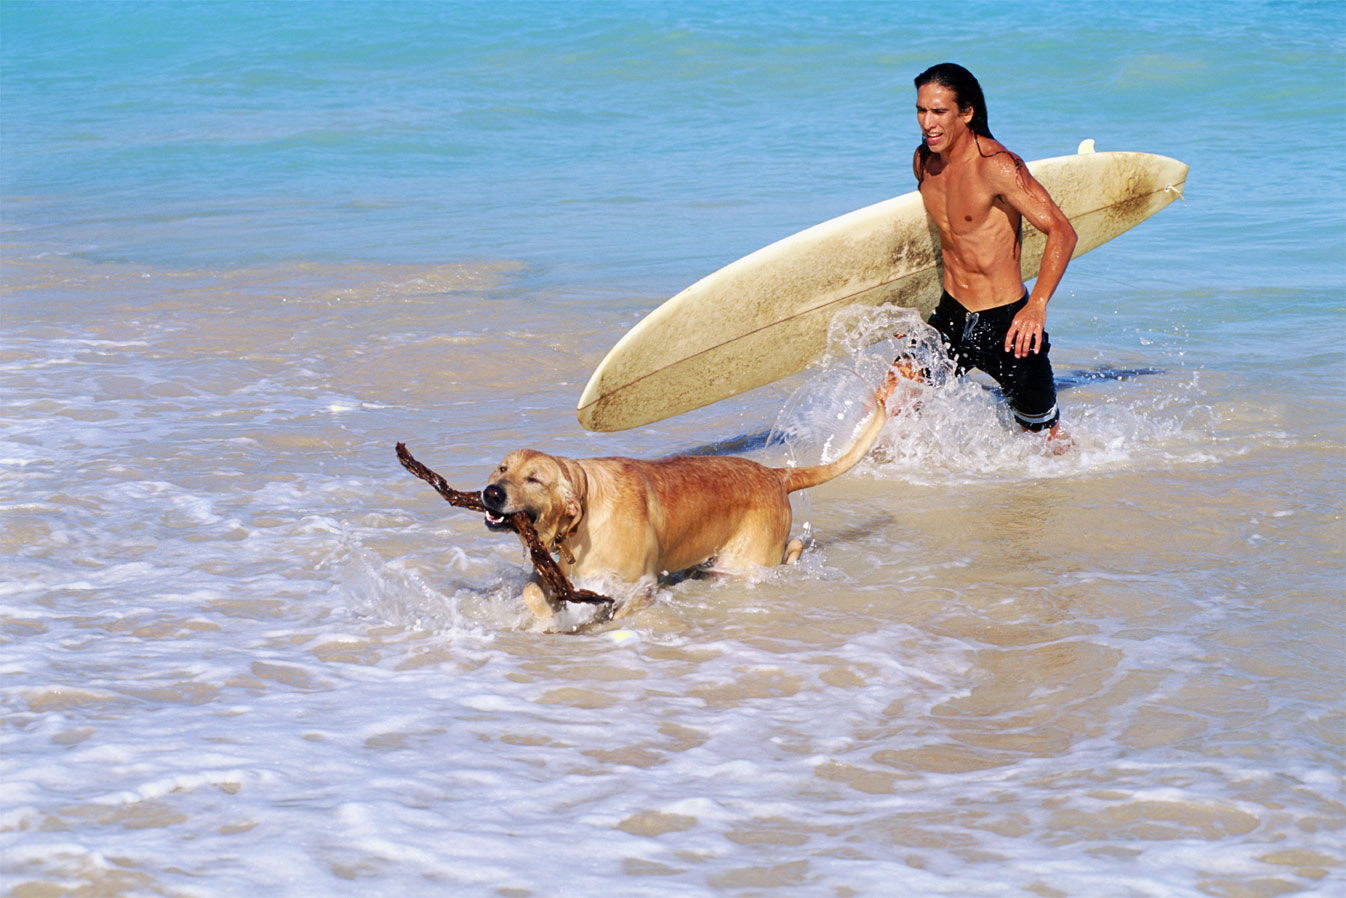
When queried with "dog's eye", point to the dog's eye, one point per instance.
{"points": [[531, 478]]}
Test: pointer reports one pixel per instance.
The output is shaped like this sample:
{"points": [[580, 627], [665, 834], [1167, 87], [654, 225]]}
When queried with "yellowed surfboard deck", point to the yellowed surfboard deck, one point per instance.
{"points": [[766, 316]]}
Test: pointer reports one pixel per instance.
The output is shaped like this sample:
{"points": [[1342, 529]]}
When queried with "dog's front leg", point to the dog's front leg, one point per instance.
{"points": [[544, 608]]}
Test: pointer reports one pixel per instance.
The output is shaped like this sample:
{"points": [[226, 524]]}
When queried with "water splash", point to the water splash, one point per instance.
{"points": [[946, 428]]}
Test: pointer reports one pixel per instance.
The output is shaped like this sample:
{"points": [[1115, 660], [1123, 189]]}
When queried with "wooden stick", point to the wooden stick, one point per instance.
{"points": [[545, 565]]}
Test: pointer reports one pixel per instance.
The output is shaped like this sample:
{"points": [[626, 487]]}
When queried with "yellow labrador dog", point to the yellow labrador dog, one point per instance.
{"points": [[634, 520]]}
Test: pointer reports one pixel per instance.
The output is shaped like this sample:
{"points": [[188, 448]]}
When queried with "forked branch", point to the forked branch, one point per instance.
{"points": [[543, 562]]}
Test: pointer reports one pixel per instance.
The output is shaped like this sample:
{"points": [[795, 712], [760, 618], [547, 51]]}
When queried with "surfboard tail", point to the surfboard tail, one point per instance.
{"points": [[803, 478]]}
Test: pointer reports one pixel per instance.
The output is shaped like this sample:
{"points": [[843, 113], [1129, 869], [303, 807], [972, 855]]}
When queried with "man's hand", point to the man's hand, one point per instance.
{"points": [[1025, 331]]}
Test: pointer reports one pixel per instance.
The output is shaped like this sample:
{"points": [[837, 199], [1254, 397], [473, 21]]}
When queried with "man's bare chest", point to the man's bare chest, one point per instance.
{"points": [[957, 207], [967, 209]]}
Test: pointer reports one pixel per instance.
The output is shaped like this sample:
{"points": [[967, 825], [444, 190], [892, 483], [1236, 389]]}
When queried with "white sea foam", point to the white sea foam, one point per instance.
{"points": [[245, 653]]}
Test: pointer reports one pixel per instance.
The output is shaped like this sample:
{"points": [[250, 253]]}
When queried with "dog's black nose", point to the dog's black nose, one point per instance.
{"points": [[493, 497]]}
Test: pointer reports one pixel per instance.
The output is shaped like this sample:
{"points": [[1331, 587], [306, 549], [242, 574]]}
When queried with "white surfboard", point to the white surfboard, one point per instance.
{"points": [[765, 316]]}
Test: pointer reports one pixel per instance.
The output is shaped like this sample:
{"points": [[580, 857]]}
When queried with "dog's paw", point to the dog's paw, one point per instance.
{"points": [[793, 550]]}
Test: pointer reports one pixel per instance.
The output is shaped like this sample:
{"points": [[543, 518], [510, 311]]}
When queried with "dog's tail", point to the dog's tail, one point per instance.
{"points": [[803, 478]]}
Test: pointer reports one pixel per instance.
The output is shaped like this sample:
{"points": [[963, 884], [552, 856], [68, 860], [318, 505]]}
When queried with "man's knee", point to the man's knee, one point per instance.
{"points": [[1037, 421]]}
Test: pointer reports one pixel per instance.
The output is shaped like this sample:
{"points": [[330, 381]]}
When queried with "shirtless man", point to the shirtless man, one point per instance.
{"points": [[978, 192]]}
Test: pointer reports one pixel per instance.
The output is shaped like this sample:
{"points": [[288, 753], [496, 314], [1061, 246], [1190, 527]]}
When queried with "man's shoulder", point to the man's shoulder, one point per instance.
{"points": [[994, 154], [998, 164]]}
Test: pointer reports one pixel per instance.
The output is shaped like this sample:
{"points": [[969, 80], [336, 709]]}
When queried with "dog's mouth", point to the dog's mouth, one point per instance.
{"points": [[496, 503], [499, 521]]}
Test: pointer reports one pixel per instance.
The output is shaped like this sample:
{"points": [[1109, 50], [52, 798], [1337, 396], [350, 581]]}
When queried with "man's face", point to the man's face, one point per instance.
{"points": [[942, 123]]}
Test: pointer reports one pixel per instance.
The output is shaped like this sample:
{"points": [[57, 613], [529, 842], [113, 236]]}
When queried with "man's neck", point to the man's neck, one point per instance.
{"points": [[961, 151]]}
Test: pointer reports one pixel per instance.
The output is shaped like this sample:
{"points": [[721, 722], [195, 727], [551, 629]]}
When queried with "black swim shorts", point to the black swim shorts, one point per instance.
{"points": [[977, 340]]}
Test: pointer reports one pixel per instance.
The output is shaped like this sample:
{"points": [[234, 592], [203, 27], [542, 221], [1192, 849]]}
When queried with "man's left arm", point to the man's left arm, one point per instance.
{"points": [[1022, 191]]}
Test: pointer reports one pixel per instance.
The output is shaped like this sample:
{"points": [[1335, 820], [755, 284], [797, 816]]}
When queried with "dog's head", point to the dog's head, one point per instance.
{"points": [[550, 490]]}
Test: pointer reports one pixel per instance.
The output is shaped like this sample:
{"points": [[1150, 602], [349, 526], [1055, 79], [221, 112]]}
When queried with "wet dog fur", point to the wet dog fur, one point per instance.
{"points": [[632, 520]]}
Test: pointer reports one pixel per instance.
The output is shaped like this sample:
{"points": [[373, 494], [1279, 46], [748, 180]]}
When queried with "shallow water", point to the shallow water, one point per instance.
{"points": [[246, 653]]}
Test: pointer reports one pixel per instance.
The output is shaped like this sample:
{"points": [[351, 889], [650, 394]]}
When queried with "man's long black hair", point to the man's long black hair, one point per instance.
{"points": [[966, 92], [965, 89]]}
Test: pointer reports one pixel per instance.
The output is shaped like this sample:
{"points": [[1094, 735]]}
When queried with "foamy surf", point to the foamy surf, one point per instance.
{"points": [[245, 654]]}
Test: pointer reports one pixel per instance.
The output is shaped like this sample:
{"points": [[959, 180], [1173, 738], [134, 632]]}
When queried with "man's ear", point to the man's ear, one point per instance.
{"points": [[966, 114]]}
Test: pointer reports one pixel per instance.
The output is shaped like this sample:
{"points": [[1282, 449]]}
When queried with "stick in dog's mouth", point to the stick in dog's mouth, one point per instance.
{"points": [[543, 563]]}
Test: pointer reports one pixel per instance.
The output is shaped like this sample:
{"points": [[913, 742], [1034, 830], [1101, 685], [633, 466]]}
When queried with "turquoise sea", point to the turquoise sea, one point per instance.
{"points": [[246, 247]]}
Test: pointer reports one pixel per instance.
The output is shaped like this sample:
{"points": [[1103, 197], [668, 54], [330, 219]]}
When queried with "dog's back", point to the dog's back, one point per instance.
{"points": [[700, 506], [692, 506]]}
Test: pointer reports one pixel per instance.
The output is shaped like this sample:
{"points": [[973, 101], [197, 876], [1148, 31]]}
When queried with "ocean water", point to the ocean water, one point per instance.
{"points": [[247, 248]]}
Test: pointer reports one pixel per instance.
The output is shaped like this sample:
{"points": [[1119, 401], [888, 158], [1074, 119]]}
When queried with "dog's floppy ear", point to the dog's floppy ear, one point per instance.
{"points": [[574, 491]]}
